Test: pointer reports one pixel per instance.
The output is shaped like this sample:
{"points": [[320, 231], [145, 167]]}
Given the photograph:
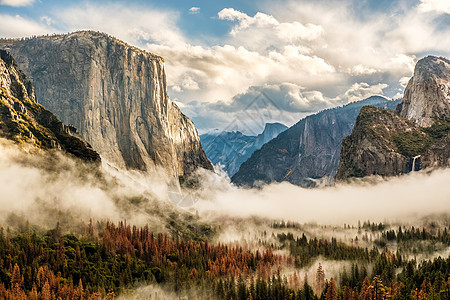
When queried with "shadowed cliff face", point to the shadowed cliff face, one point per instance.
{"points": [[116, 95], [22, 119], [417, 137], [307, 154], [231, 148]]}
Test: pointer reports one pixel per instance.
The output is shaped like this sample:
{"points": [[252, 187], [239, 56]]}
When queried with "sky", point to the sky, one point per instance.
{"points": [[235, 65]]}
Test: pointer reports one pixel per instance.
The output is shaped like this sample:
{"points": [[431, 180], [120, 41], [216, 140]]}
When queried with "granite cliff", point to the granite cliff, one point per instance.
{"points": [[116, 95], [24, 120], [306, 154], [416, 137], [427, 95]]}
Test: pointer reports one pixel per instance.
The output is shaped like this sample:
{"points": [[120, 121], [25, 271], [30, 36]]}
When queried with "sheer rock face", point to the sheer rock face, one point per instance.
{"points": [[383, 143], [306, 154], [23, 120], [427, 95], [389, 144], [370, 149], [116, 95]]}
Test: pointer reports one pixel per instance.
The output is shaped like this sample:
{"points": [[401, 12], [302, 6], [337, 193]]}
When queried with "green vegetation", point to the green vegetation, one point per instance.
{"points": [[411, 143], [116, 258], [439, 129]]}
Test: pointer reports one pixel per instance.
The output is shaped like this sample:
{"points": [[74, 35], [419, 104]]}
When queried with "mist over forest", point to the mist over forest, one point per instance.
{"points": [[296, 150]]}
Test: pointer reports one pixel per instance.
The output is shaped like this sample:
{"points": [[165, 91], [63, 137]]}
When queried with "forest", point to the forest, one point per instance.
{"points": [[105, 260]]}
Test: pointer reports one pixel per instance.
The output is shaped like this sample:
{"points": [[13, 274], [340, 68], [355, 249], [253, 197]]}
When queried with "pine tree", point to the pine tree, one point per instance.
{"points": [[320, 280], [331, 291]]}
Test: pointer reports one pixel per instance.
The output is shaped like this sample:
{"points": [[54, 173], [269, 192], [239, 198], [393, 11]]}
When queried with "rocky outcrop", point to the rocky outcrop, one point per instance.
{"points": [[116, 95], [22, 119], [427, 95], [371, 148], [231, 149], [416, 137], [383, 143], [307, 154]]}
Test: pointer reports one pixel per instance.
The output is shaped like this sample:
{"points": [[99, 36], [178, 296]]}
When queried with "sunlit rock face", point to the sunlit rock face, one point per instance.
{"points": [[116, 95], [427, 96], [416, 137]]}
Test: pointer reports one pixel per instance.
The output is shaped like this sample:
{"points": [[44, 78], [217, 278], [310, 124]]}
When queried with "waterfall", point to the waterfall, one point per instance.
{"points": [[413, 169]]}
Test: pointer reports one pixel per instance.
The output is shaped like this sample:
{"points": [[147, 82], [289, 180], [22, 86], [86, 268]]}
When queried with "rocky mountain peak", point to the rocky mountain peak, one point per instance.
{"points": [[116, 95], [273, 127], [417, 137], [427, 95]]}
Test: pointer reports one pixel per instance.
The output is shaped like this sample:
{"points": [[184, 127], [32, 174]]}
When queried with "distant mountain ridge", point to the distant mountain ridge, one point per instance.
{"points": [[231, 149], [116, 95], [306, 154]]}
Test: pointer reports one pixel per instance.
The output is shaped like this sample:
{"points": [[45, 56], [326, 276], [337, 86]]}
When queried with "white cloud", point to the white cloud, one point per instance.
{"points": [[360, 69], [142, 23], [328, 51], [187, 84], [221, 72], [245, 21], [362, 90], [194, 10], [438, 6], [17, 26], [286, 31], [297, 31], [281, 102], [47, 20], [16, 2]]}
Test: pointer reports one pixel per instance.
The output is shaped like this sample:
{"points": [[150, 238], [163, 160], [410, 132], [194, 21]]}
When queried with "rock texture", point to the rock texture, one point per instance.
{"points": [[116, 95], [22, 119], [231, 149], [307, 154], [416, 137], [371, 149], [427, 95]]}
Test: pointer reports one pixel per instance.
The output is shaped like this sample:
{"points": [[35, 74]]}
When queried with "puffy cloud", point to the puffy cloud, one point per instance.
{"points": [[222, 72], [282, 102], [438, 6], [245, 21], [47, 20], [307, 54], [17, 26], [194, 10], [288, 32], [250, 110], [359, 91], [297, 31], [142, 23], [16, 2]]}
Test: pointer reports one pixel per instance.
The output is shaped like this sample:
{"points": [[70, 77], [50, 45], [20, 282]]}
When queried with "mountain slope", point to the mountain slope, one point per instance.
{"points": [[116, 95], [231, 149], [22, 119], [416, 137], [308, 151]]}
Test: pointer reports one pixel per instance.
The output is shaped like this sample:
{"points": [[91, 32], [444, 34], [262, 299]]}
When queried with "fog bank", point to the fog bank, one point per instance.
{"points": [[404, 198]]}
